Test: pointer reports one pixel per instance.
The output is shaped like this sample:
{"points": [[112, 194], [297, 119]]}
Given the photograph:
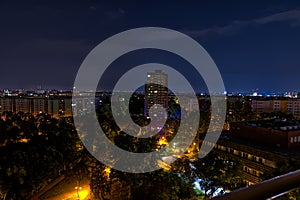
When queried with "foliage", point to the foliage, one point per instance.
{"points": [[217, 171], [35, 150], [153, 185], [240, 110]]}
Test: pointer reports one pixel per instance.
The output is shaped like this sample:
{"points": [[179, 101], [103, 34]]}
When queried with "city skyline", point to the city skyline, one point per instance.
{"points": [[149, 100]]}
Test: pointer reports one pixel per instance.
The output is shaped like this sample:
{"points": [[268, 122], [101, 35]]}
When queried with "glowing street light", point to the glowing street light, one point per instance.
{"points": [[78, 188]]}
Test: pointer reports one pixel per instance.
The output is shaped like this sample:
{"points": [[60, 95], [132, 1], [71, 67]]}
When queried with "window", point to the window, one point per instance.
{"points": [[292, 140], [245, 155]]}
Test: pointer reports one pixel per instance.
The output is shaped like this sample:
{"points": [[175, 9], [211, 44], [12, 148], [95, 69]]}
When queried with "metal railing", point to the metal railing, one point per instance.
{"points": [[268, 189]]}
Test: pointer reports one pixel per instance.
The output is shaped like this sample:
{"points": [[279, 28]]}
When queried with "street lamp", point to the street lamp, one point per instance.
{"points": [[78, 188]]}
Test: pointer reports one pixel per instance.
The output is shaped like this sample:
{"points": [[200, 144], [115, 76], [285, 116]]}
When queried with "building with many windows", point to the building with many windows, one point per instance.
{"points": [[293, 107], [56, 106], [277, 133], [286, 105], [156, 90], [258, 162], [269, 105]]}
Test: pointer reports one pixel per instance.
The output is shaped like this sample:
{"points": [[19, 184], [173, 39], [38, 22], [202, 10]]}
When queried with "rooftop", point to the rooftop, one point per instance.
{"points": [[276, 124]]}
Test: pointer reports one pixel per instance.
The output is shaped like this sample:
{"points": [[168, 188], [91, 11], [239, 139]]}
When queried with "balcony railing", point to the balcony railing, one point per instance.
{"points": [[268, 189]]}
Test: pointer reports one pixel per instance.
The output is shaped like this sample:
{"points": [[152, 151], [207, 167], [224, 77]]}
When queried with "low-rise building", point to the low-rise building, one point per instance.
{"points": [[279, 133], [269, 105], [293, 107]]}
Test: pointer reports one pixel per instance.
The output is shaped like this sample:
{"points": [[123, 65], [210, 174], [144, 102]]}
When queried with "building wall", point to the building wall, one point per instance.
{"points": [[294, 138], [279, 105], [35, 105], [261, 106], [269, 136], [293, 107], [82, 106], [6, 104], [22, 105], [156, 90], [256, 162], [68, 107], [53, 107]]}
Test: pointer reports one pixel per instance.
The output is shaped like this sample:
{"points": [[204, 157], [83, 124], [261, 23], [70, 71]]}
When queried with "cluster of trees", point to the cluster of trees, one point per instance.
{"points": [[35, 150], [153, 185], [212, 173], [178, 182], [218, 172], [278, 115], [240, 110]]}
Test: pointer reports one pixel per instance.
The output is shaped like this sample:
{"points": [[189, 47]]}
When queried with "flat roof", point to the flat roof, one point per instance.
{"points": [[277, 124]]}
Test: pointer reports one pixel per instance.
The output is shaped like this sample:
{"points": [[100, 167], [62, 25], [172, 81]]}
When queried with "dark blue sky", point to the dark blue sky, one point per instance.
{"points": [[254, 44]]}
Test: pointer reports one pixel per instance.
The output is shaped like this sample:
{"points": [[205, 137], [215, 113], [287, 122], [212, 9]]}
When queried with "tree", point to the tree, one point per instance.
{"points": [[106, 182], [217, 172], [52, 146]]}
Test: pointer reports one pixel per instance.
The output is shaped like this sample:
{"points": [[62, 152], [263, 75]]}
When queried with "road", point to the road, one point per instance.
{"points": [[66, 190]]}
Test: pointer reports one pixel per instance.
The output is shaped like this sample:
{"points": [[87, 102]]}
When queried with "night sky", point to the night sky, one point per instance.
{"points": [[254, 44]]}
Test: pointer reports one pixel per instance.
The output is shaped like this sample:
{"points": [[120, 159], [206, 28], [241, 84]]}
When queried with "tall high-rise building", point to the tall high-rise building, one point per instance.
{"points": [[156, 90]]}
